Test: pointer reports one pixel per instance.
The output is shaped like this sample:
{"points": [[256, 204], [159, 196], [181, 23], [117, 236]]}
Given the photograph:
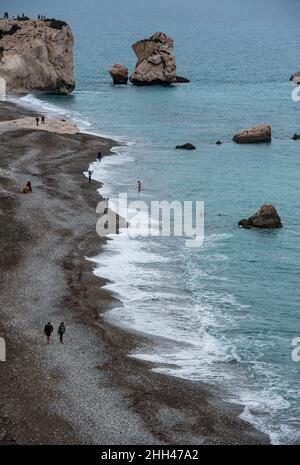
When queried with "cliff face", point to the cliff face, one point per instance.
{"points": [[156, 61], [36, 55]]}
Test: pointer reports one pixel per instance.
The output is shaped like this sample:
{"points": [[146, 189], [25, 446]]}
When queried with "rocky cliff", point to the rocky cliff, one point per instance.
{"points": [[36, 55], [156, 61]]}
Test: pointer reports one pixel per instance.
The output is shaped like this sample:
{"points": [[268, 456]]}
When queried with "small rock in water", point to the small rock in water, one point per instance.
{"points": [[254, 135], [219, 142], [267, 217], [156, 61], [296, 137], [119, 74], [295, 78], [187, 146]]}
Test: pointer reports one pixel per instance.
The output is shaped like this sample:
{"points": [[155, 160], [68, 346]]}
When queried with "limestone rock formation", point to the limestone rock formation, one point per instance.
{"points": [[156, 61], [181, 80], [187, 146], [119, 74], [267, 217], [36, 55], [256, 134]]}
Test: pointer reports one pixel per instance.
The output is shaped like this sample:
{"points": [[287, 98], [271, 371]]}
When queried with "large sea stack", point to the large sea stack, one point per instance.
{"points": [[156, 61], [254, 135], [267, 217], [36, 55]]}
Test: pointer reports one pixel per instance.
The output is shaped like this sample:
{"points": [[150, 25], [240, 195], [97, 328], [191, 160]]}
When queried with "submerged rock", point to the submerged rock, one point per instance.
{"points": [[36, 55], [267, 217], [187, 146], [181, 80], [119, 74], [254, 135], [156, 61]]}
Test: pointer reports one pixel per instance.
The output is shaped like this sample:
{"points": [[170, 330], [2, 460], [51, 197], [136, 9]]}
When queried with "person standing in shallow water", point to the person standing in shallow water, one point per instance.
{"points": [[61, 331], [90, 175], [139, 186], [99, 156], [48, 330]]}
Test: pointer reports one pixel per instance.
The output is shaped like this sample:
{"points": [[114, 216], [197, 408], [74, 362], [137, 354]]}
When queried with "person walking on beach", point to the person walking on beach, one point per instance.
{"points": [[139, 185], [61, 331], [37, 119], [43, 119], [48, 330], [90, 175], [99, 156]]}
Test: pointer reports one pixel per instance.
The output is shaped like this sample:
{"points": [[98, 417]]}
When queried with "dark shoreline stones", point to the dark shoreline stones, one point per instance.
{"points": [[266, 218], [296, 137], [187, 146]]}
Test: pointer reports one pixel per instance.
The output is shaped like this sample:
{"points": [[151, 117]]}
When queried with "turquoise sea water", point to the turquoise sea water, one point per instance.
{"points": [[228, 311]]}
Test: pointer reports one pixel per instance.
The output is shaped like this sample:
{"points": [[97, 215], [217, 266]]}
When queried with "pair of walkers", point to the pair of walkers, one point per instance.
{"points": [[48, 330]]}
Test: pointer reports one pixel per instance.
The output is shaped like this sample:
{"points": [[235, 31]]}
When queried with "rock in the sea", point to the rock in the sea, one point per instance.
{"points": [[36, 55], [295, 78], [187, 146], [267, 217], [219, 142], [256, 134], [156, 61], [296, 137], [182, 80], [119, 74]]}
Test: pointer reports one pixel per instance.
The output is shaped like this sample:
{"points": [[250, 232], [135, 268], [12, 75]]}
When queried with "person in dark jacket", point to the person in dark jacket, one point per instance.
{"points": [[61, 331], [29, 186], [48, 330], [90, 175]]}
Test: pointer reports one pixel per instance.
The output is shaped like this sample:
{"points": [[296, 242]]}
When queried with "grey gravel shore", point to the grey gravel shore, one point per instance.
{"points": [[87, 391]]}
